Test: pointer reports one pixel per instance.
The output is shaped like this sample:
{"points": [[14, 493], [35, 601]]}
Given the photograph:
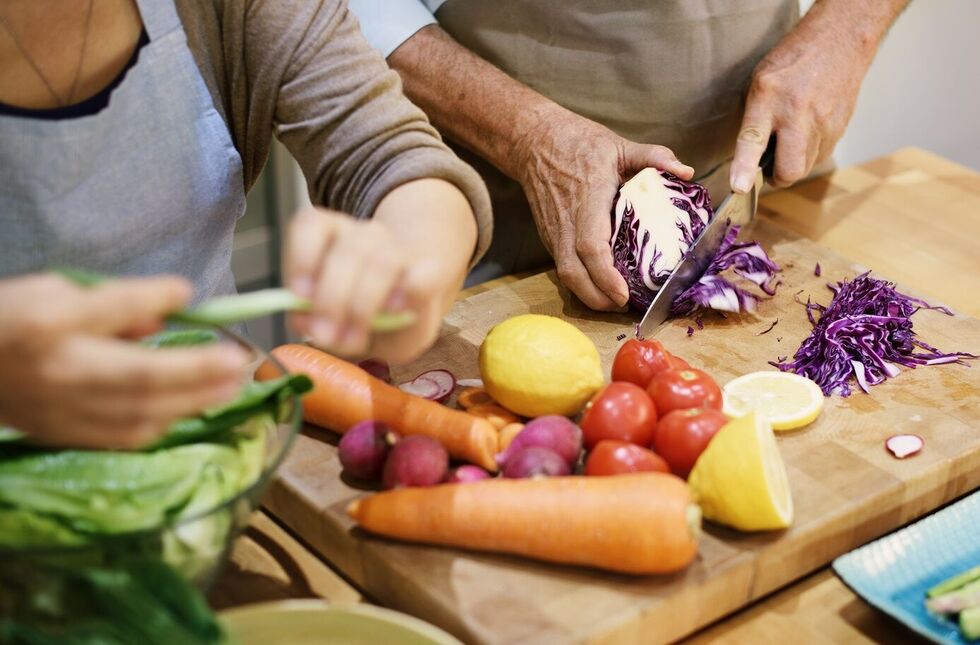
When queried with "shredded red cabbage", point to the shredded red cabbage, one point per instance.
{"points": [[748, 260], [865, 332]]}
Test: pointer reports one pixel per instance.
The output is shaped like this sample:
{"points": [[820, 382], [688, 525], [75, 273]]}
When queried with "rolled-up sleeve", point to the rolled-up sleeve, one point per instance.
{"points": [[388, 23], [341, 112]]}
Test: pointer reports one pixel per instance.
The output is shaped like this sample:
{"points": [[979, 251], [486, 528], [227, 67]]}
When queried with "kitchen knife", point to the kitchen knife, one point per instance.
{"points": [[735, 210]]}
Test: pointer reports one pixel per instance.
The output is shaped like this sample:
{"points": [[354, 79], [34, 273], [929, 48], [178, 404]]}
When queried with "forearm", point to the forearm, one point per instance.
{"points": [[470, 100], [431, 218], [858, 26]]}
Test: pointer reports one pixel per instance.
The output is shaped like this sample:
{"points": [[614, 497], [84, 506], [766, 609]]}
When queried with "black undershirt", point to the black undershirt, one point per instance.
{"points": [[89, 106]]}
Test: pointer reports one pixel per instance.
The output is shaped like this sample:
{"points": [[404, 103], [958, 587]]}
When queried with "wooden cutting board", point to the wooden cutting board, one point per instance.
{"points": [[847, 489]]}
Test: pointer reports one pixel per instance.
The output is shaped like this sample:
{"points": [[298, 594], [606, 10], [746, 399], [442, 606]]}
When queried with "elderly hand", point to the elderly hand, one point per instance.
{"points": [[805, 91], [69, 376], [571, 170]]}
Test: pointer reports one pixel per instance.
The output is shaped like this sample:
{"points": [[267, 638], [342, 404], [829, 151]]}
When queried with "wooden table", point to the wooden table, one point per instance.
{"points": [[928, 242]]}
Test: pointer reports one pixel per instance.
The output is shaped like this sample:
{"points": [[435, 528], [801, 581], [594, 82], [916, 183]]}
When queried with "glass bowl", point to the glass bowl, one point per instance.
{"points": [[195, 546]]}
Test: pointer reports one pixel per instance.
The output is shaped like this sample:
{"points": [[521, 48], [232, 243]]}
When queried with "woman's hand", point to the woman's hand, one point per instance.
{"points": [[69, 377], [412, 256]]}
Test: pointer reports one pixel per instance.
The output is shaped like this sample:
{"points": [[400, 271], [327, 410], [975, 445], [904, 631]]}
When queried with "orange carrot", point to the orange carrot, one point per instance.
{"points": [[642, 523], [497, 415], [507, 434], [473, 396], [344, 394]]}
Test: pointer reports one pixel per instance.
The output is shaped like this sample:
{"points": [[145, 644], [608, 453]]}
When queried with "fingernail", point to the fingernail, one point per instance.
{"points": [[740, 183], [324, 331], [397, 301], [302, 286]]}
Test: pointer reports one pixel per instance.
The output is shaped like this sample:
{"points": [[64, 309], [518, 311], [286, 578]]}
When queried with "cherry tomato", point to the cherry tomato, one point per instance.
{"points": [[619, 411], [682, 389], [682, 435], [638, 361], [612, 457]]}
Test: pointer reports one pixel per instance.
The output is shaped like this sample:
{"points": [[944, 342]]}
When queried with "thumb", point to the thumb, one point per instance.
{"points": [[637, 156], [119, 306], [751, 143]]}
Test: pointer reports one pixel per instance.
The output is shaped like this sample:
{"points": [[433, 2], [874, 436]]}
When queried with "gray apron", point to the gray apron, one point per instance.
{"points": [[671, 72], [150, 184]]}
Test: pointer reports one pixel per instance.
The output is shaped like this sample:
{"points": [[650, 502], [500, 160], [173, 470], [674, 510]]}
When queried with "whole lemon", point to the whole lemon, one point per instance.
{"points": [[536, 365]]}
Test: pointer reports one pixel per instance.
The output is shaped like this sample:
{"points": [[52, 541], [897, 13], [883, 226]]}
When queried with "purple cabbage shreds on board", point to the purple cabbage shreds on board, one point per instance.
{"points": [[690, 330], [865, 332], [816, 270], [748, 260]]}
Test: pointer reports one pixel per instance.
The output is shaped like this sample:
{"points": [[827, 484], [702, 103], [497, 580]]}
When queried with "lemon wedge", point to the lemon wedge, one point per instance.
{"points": [[787, 400], [740, 478]]}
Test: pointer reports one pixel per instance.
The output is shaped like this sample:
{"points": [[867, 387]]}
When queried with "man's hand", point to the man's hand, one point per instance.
{"points": [[806, 88], [571, 170], [570, 167]]}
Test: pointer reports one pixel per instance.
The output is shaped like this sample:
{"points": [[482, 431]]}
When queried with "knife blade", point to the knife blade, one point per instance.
{"points": [[736, 209]]}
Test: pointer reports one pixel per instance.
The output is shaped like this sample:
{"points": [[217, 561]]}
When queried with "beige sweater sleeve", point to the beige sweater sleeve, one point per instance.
{"points": [[301, 69]]}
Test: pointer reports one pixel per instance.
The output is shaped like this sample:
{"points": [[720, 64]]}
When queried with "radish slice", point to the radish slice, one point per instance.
{"points": [[377, 368], [435, 385], [904, 445], [470, 382]]}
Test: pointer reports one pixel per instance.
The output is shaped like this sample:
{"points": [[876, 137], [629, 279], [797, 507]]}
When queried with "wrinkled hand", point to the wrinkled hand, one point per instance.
{"points": [[69, 377], [805, 91], [355, 269], [572, 171]]}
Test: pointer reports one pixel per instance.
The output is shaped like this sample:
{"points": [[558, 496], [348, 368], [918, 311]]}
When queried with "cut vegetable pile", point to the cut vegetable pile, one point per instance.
{"points": [[865, 333], [522, 492]]}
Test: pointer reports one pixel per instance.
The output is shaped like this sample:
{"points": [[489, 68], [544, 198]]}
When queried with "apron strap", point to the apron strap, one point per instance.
{"points": [[159, 17]]}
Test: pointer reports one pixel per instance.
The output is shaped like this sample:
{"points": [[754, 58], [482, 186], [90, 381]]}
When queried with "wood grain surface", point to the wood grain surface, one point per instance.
{"points": [[846, 487]]}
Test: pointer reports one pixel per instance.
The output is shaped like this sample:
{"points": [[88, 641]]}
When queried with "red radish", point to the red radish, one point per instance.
{"points": [[556, 433], [364, 448], [536, 461], [377, 368], [466, 474], [470, 382], [435, 385], [904, 445], [415, 461]]}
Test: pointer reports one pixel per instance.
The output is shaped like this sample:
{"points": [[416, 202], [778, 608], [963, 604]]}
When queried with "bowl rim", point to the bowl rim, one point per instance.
{"points": [[295, 423], [362, 609]]}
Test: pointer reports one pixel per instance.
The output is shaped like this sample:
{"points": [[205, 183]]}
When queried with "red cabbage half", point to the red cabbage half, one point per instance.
{"points": [[865, 332], [656, 217]]}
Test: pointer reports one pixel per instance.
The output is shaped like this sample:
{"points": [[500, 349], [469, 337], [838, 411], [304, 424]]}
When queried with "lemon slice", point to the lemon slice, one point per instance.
{"points": [[787, 400], [740, 479]]}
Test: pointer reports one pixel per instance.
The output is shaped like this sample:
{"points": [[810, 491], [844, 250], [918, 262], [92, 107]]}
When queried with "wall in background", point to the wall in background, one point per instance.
{"points": [[923, 88]]}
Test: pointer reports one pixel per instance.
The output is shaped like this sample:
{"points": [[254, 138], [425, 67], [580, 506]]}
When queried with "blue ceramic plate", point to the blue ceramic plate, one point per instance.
{"points": [[894, 572]]}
